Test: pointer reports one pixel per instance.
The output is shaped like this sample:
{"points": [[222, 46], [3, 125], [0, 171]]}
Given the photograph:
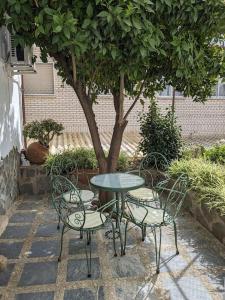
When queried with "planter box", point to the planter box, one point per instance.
{"points": [[85, 175], [33, 179], [211, 220]]}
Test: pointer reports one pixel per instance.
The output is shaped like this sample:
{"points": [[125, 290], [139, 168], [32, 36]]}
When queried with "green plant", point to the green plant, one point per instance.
{"points": [[160, 133], [124, 47], [194, 151], [216, 154], [80, 158], [123, 162], [43, 131], [70, 160], [207, 179]]}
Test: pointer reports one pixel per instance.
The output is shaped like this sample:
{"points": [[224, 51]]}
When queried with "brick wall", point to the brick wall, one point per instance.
{"points": [[195, 118]]}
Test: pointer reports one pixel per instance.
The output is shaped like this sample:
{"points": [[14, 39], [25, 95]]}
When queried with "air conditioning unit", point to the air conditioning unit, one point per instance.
{"points": [[21, 58]]}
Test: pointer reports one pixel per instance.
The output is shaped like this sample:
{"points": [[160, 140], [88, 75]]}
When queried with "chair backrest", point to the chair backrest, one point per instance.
{"points": [[57, 169], [173, 197], [63, 195], [153, 167]]}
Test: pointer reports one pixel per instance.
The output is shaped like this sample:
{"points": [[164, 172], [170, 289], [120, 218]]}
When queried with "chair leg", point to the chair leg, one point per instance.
{"points": [[58, 226], [175, 234], [61, 244], [157, 248], [114, 239], [143, 232], [125, 238], [88, 255], [81, 234]]}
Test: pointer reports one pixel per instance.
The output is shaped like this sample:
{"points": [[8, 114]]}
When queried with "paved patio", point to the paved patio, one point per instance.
{"points": [[31, 242]]}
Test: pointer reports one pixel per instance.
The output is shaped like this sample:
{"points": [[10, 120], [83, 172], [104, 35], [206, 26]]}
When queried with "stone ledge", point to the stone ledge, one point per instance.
{"points": [[33, 180]]}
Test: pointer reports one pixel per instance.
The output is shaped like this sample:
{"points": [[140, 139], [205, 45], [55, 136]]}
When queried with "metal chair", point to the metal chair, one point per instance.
{"points": [[75, 216], [152, 168], [155, 218], [86, 195]]}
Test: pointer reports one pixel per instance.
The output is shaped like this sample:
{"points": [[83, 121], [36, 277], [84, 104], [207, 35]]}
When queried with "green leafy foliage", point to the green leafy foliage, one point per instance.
{"points": [[70, 160], [216, 154], [205, 178], [123, 162], [194, 151], [160, 133], [161, 42], [43, 131], [81, 158]]}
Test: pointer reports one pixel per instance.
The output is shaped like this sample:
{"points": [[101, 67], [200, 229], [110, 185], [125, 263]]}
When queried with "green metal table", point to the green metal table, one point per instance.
{"points": [[119, 183]]}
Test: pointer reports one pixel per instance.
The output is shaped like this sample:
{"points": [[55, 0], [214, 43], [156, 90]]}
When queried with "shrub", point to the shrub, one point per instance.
{"points": [[216, 154], [81, 158], [123, 162], [206, 178], [194, 151], [160, 133], [43, 131], [68, 161]]}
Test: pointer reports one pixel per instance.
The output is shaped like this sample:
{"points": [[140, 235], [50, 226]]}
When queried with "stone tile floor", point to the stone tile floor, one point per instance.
{"points": [[31, 244]]}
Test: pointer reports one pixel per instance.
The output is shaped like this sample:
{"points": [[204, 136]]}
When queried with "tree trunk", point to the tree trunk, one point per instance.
{"points": [[92, 125]]}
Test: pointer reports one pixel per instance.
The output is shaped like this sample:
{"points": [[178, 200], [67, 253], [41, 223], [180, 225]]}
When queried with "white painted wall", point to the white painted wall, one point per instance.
{"points": [[10, 111]]}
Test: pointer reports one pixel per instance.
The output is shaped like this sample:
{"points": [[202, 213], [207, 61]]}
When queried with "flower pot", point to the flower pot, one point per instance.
{"points": [[37, 153], [84, 175]]}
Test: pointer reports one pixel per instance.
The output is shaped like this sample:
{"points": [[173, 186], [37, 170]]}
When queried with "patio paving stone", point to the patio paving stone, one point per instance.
{"points": [[15, 232], [38, 273], [77, 269], [11, 249], [172, 262], [26, 217], [188, 287], [5, 276], [47, 230], [127, 266], [77, 246], [33, 272], [28, 205], [44, 248], [84, 294], [35, 296]]}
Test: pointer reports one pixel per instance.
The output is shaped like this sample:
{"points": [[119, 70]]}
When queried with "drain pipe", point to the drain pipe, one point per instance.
{"points": [[23, 108]]}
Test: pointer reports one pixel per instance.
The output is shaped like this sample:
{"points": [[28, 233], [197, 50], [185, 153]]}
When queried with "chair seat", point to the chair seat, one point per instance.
{"points": [[92, 219], [86, 196], [154, 216], [143, 194]]}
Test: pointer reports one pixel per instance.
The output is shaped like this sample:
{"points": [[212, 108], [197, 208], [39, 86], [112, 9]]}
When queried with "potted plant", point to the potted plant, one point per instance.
{"points": [[42, 131]]}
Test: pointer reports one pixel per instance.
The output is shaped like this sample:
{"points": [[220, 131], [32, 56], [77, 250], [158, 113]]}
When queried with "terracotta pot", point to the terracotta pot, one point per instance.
{"points": [[84, 175], [37, 153]]}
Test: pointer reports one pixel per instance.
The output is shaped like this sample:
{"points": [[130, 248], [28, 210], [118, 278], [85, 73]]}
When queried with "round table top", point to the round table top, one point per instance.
{"points": [[117, 182]]}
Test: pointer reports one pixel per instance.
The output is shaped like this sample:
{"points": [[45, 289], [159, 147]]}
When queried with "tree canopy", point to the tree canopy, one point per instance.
{"points": [[159, 41], [130, 48]]}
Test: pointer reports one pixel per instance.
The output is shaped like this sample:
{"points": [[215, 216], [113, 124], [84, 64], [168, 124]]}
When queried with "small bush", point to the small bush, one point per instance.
{"points": [[123, 162], [68, 161], [81, 158], [206, 178], [43, 131], [160, 133], [195, 151], [216, 154]]}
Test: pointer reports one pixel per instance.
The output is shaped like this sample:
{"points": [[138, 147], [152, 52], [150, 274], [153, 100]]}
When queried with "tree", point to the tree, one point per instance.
{"points": [[131, 48]]}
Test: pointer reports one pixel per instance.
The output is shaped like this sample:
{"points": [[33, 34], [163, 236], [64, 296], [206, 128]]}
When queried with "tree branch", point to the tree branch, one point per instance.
{"points": [[121, 101], [74, 68], [135, 100]]}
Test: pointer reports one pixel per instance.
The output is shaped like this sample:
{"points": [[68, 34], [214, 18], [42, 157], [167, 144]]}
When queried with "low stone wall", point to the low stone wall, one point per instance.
{"points": [[9, 173], [34, 180], [211, 220]]}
